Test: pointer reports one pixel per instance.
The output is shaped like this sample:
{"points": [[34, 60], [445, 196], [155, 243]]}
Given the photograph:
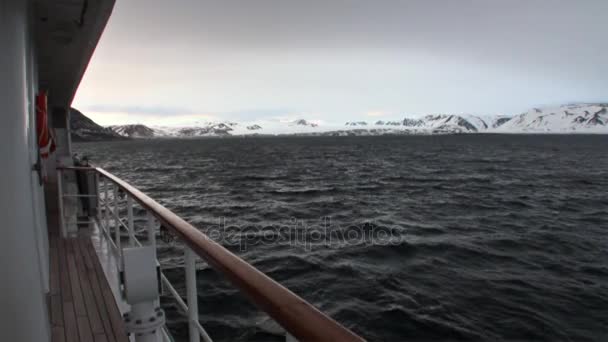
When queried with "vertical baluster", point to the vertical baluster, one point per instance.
{"points": [[106, 203], [64, 232], [130, 221], [117, 222], [151, 226], [191, 293], [165, 335], [98, 195]]}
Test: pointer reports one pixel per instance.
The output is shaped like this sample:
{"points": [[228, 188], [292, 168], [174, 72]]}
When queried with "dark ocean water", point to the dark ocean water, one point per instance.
{"points": [[481, 237]]}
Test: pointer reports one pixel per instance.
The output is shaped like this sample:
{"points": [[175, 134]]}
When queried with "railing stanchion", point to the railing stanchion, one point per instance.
{"points": [[98, 195], [151, 227], [130, 224], [106, 203], [191, 294], [64, 232], [116, 221]]}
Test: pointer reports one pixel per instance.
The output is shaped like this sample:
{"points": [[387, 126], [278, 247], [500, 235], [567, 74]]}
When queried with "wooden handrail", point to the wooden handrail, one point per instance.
{"points": [[298, 317], [77, 168]]}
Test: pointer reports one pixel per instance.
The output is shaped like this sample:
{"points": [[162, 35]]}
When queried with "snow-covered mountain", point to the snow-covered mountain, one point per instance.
{"points": [[498, 120], [428, 125], [433, 124], [84, 129], [211, 129], [135, 131], [453, 124], [573, 118], [579, 118]]}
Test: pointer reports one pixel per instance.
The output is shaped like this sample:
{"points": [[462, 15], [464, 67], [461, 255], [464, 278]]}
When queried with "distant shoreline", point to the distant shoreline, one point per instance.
{"points": [[270, 136]]}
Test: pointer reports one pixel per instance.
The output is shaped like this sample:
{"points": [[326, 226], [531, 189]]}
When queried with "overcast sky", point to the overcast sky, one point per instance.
{"points": [[177, 62]]}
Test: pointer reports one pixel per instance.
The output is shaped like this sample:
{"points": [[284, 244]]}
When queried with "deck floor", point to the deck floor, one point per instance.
{"points": [[81, 304]]}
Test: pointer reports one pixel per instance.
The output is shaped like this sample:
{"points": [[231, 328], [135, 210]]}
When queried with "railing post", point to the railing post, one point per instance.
{"points": [[191, 294], [98, 194], [116, 221], [106, 203], [130, 224], [64, 232], [151, 227]]}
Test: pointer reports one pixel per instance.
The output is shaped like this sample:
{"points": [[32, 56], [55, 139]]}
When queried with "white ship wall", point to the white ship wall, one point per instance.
{"points": [[23, 244]]}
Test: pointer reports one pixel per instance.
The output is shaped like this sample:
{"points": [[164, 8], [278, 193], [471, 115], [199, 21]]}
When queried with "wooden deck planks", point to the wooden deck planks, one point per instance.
{"points": [[97, 294], [56, 311], [54, 266], [64, 276], [77, 298], [82, 305], [57, 334], [84, 329], [115, 317], [69, 319], [87, 292], [101, 338]]}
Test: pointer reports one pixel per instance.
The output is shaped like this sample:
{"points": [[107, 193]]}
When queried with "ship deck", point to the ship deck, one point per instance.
{"points": [[82, 303], [85, 300]]}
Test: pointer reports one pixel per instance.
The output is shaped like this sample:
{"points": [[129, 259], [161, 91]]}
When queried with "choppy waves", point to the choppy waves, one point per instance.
{"points": [[490, 237]]}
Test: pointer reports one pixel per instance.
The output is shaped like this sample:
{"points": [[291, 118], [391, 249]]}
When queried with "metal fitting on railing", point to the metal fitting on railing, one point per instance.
{"points": [[141, 292], [144, 322]]}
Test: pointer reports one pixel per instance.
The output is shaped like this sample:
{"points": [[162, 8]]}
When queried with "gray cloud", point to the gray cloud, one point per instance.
{"points": [[253, 114], [322, 55], [138, 110], [519, 33], [159, 111], [241, 21]]}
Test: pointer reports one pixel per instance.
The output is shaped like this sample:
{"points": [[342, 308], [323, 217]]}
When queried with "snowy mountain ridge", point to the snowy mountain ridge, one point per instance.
{"points": [[84, 129], [572, 118]]}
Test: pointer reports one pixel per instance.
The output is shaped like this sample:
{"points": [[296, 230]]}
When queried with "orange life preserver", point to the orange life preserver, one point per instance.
{"points": [[46, 143]]}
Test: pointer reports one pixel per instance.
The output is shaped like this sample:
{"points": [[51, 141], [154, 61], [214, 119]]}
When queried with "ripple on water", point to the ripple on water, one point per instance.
{"points": [[489, 237]]}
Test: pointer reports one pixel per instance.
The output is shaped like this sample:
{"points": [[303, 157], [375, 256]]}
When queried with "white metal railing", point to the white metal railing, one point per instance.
{"points": [[111, 226], [114, 196], [114, 223]]}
